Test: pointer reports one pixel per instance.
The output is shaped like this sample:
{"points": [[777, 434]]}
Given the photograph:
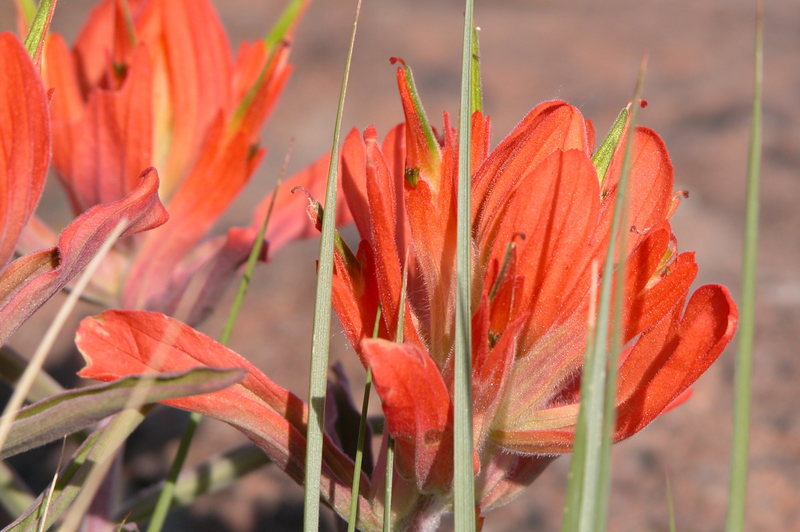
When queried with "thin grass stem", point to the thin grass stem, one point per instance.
{"points": [[737, 497], [463, 479], [167, 495], [362, 431], [322, 317], [587, 491]]}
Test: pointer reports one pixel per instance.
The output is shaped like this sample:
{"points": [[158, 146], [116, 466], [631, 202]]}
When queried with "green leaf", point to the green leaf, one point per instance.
{"points": [[322, 316], [737, 497], [464, 479], [602, 157], [75, 410]]}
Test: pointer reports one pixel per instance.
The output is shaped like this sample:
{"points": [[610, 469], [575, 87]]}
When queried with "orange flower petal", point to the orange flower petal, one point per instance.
{"points": [[77, 245], [24, 142], [417, 408]]}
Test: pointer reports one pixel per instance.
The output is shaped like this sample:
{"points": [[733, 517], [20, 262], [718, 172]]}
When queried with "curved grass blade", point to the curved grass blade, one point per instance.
{"points": [[37, 361], [463, 479], [164, 503], [322, 317], [74, 410], [744, 353]]}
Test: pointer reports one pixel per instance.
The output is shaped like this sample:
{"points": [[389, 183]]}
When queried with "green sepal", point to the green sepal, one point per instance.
{"points": [[425, 125], [412, 177], [602, 157], [39, 26], [286, 22]]}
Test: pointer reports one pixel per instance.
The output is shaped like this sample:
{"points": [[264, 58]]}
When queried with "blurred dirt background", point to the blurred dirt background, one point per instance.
{"points": [[699, 88]]}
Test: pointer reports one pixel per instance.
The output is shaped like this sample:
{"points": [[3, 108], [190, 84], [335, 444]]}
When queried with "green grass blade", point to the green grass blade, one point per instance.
{"points": [[362, 431], [587, 492], [609, 407], [463, 478], [164, 502], [387, 486], [744, 354], [49, 499], [673, 527], [322, 316], [168, 491]]}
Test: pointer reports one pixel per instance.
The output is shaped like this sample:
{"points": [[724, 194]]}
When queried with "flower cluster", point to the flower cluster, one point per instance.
{"points": [[154, 124], [541, 219]]}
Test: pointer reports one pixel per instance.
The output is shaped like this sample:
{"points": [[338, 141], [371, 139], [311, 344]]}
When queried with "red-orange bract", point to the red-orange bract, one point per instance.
{"points": [[29, 281], [540, 219], [154, 83]]}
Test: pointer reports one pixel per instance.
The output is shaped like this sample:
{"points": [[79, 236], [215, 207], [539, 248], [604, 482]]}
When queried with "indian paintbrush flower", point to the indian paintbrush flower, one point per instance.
{"points": [[541, 213]]}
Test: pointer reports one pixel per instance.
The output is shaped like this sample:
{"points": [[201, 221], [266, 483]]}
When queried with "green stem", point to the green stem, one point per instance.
{"points": [[322, 317], [362, 431], [744, 354], [387, 486], [168, 491], [464, 480]]}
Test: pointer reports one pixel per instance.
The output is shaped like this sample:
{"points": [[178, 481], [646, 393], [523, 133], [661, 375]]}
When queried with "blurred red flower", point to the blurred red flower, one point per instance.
{"points": [[29, 281], [154, 83]]}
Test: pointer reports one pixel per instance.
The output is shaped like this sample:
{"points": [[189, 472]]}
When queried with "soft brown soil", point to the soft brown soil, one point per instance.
{"points": [[698, 86]]}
